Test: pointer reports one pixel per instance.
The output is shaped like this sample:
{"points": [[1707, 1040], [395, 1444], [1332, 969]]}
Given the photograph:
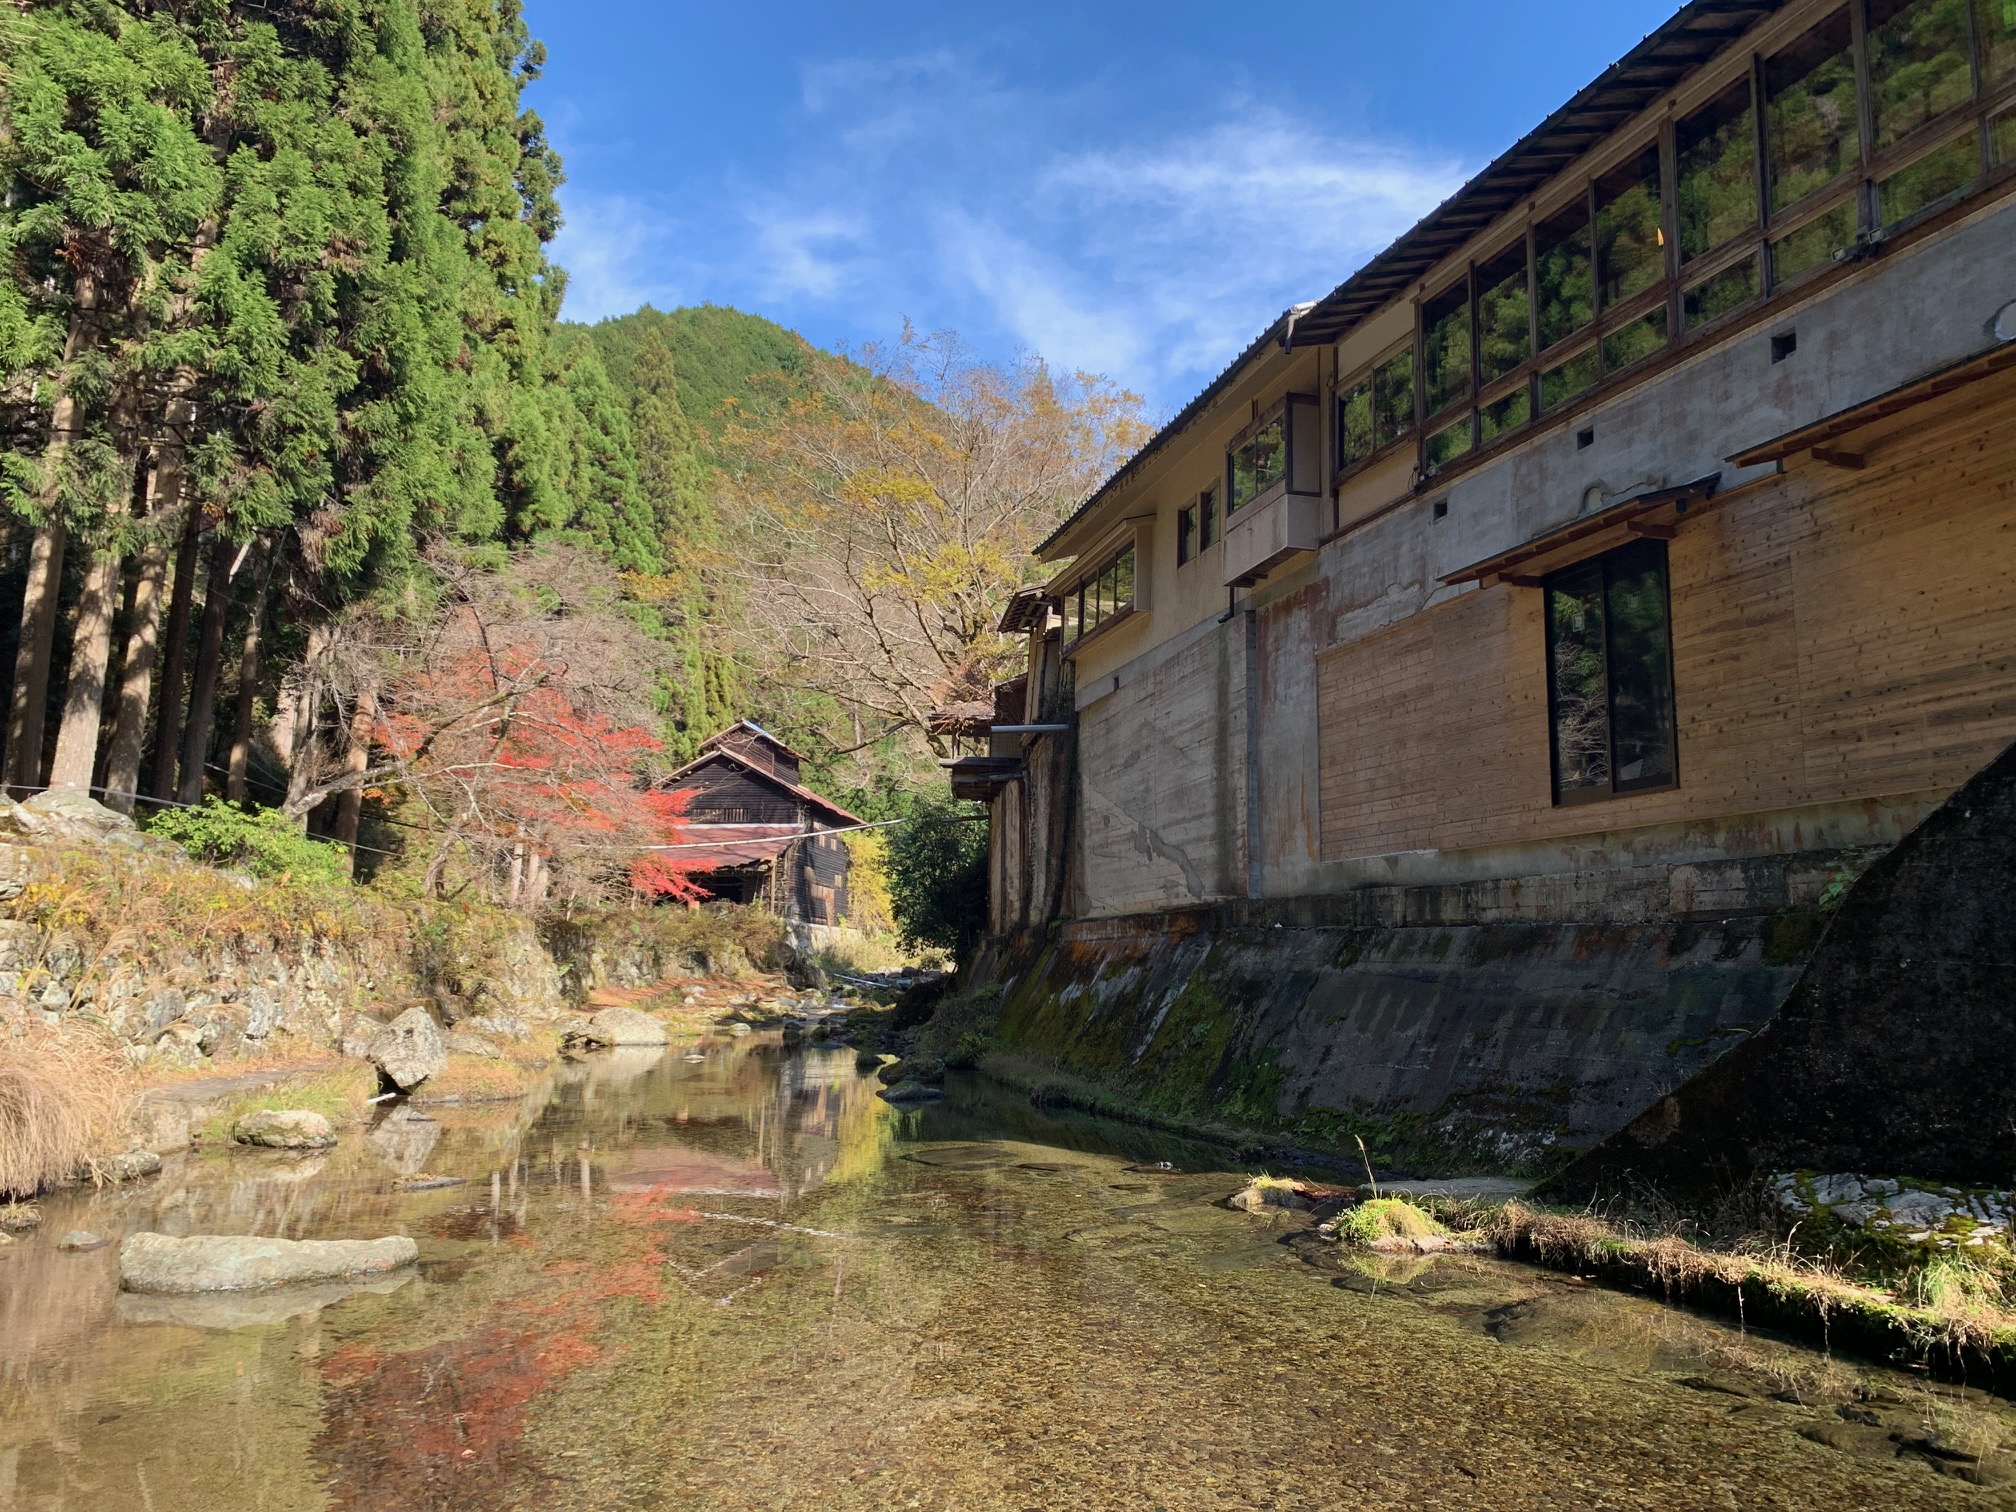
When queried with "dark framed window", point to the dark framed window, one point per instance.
{"points": [[1918, 64], [1504, 303], [1186, 535], [1445, 348], [1355, 436], [1809, 91], [1564, 281], [1101, 596], [1256, 464], [1610, 675], [1207, 518], [1284, 450], [1716, 153], [1393, 398], [1630, 229]]}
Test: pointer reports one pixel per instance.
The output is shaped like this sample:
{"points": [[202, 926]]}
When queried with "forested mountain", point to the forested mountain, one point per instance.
{"points": [[310, 499]]}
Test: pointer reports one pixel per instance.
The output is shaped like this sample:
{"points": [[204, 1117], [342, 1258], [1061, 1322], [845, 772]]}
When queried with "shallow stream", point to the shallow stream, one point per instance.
{"points": [[731, 1277]]}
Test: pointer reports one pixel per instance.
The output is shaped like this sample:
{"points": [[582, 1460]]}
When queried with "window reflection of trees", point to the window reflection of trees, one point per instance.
{"points": [[1810, 88], [1630, 244], [1717, 184], [1581, 708], [1918, 67]]}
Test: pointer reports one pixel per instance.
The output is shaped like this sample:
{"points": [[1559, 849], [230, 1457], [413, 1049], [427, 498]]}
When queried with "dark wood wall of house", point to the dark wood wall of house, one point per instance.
{"points": [[728, 794]]}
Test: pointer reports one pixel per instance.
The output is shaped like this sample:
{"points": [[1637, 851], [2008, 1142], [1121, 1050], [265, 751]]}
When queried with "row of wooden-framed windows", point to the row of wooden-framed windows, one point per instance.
{"points": [[1101, 596], [1197, 527], [1881, 113]]}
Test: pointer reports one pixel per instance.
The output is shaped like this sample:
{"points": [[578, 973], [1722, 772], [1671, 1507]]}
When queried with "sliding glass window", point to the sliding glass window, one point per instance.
{"points": [[1504, 315], [1630, 239], [1810, 104], [1445, 348], [1918, 64], [1393, 398], [1717, 188], [1998, 40], [1563, 281]]}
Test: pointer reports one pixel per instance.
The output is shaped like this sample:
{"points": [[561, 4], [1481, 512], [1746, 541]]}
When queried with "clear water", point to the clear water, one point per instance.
{"points": [[746, 1282]]}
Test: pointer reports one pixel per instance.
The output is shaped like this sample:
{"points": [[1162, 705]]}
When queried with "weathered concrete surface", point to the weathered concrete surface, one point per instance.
{"points": [[1453, 1048], [1895, 1052], [217, 1263]]}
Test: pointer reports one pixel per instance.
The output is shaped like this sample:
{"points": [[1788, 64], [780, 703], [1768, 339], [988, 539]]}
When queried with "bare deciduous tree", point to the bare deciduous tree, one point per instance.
{"points": [[882, 517]]}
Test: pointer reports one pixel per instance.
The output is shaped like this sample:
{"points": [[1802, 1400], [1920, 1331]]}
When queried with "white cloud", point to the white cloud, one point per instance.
{"points": [[1065, 223], [619, 253]]}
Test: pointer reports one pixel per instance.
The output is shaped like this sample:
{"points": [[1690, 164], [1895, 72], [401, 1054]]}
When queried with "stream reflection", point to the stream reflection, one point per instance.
{"points": [[745, 1281]]}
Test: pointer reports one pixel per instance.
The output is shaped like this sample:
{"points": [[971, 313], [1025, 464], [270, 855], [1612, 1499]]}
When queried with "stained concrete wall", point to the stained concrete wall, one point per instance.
{"points": [[1458, 1048]]}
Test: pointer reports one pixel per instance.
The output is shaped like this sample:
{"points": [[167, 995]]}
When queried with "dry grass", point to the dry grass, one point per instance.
{"points": [[65, 1102], [339, 1096], [1950, 1303], [477, 1078]]}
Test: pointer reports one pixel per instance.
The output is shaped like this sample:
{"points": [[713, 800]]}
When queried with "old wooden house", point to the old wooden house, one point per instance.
{"points": [[758, 834], [1631, 546]]}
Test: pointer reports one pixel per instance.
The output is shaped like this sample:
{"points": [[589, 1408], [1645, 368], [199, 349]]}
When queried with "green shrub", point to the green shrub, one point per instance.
{"points": [[937, 867], [1386, 1218], [264, 842]]}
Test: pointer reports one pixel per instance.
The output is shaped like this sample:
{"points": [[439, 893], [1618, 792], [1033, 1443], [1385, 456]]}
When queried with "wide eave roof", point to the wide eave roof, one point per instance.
{"points": [[1697, 33]]}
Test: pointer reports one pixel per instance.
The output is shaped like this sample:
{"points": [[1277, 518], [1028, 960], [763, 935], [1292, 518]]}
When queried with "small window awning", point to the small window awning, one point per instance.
{"points": [[1654, 515], [1819, 437]]}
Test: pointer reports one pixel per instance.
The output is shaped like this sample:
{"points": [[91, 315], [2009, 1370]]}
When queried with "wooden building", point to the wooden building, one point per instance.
{"points": [[760, 835], [1633, 539]]}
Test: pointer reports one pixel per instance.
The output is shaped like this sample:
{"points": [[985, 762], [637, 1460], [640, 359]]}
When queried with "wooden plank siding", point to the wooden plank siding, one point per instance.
{"points": [[1838, 634]]}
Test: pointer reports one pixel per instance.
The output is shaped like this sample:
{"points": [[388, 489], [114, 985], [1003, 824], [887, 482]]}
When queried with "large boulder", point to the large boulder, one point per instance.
{"points": [[285, 1129], [160, 1263], [624, 1026], [70, 814], [409, 1049]]}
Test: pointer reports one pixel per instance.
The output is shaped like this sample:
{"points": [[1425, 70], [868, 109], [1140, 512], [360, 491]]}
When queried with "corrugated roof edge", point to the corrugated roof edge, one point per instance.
{"points": [[1383, 264]]}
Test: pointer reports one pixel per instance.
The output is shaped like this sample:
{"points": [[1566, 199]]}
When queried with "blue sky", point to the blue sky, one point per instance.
{"points": [[1132, 189]]}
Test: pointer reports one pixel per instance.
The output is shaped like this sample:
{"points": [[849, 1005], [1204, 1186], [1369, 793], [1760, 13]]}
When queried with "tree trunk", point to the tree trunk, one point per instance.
{"points": [[143, 625], [248, 680], [350, 802], [23, 770], [90, 654], [304, 766], [197, 729], [174, 669], [31, 663]]}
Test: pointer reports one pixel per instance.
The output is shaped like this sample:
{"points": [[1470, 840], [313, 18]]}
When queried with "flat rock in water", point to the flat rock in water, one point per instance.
{"points": [[426, 1182], [162, 1264], [81, 1239], [130, 1166], [284, 1129], [409, 1049], [625, 1026], [251, 1309], [911, 1092]]}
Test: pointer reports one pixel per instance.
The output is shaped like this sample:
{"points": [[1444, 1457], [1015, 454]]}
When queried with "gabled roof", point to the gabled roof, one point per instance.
{"points": [[752, 728], [1694, 35], [827, 807]]}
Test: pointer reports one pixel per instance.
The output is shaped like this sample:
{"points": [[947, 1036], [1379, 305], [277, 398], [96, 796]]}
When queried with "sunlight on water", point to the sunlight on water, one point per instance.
{"points": [[747, 1282]]}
